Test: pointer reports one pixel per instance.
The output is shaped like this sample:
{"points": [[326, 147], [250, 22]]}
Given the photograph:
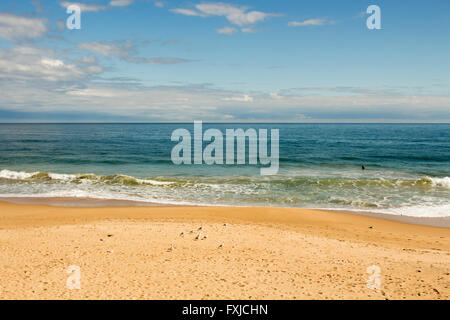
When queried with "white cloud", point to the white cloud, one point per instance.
{"points": [[108, 49], [95, 7], [309, 22], [52, 63], [235, 15], [87, 60], [187, 12], [239, 16], [14, 27], [29, 63], [84, 7], [249, 30], [158, 60], [159, 4], [275, 96], [125, 51], [93, 93], [185, 103], [244, 98], [227, 30], [120, 3]]}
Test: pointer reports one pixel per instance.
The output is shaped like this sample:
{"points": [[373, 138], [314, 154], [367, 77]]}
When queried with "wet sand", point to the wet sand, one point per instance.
{"points": [[95, 203]]}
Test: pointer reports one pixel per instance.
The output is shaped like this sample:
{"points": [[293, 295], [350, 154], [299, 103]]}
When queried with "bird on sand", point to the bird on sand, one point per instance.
{"points": [[221, 245], [205, 237], [171, 248], [198, 236]]}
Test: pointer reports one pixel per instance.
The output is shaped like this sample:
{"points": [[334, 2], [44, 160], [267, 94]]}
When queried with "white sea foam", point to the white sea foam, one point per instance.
{"points": [[22, 175], [430, 211], [424, 211], [417, 197], [434, 211], [63, 177], [154, 182], [441, 182], [16, 175], [83, 194]]}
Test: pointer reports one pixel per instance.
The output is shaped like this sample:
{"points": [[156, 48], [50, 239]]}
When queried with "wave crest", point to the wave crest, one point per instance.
{"points": [[78, 178], [288, 181]]}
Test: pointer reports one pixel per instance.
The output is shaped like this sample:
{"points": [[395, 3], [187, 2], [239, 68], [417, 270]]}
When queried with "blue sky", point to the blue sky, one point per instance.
{"points": [[301, 61]]}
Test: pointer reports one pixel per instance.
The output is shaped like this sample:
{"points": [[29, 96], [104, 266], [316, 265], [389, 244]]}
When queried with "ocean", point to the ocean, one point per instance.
{"points": [[407, 167]]}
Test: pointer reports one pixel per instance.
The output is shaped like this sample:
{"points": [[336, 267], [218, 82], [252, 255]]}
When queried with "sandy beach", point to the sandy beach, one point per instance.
{"points": [[267, 253]]}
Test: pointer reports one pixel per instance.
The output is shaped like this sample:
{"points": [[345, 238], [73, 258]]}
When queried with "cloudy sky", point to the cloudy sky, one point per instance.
{"points": [[255, 60]]}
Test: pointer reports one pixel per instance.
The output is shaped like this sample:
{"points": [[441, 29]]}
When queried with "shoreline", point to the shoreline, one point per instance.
{"points": [[443, 222], [267, 253]]}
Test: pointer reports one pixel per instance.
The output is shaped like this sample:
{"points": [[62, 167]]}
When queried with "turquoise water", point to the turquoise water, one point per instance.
{"points": [[407, 166]]}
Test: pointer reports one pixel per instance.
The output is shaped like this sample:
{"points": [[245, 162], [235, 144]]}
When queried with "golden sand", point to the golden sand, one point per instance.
{"points": [[267, 253]]}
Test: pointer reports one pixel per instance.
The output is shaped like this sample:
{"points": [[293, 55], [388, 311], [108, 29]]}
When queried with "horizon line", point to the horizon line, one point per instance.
{"points": [[223, 122]]}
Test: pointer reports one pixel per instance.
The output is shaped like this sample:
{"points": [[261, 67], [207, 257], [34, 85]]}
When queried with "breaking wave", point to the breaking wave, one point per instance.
{"points": [[19, 176], [419, 196]]}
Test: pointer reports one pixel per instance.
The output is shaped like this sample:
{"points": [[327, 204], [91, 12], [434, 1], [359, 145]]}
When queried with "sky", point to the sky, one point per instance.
{"points": [[228, 61]]}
